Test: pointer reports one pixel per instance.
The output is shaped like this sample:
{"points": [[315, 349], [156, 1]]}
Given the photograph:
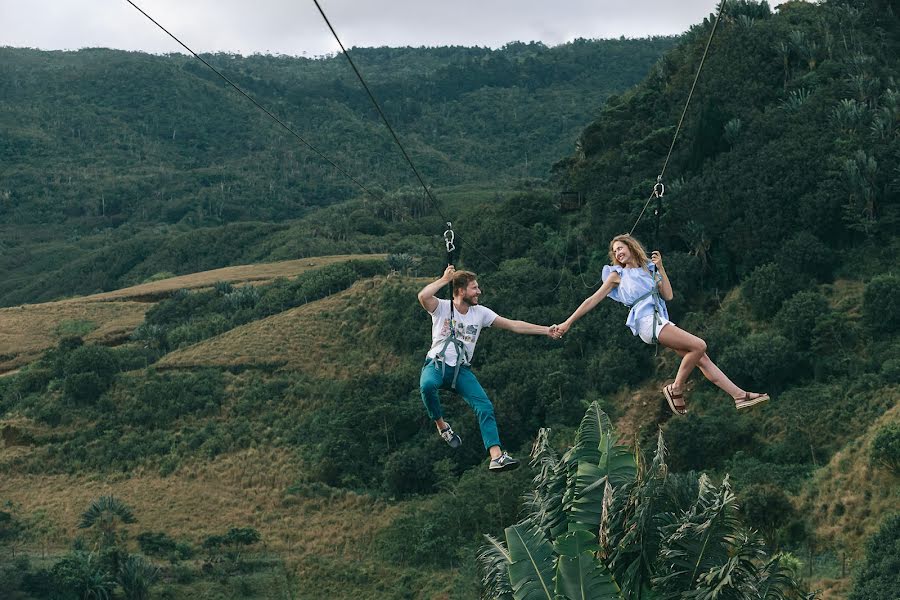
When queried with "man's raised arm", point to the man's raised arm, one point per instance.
{"points": [[426, 296]]}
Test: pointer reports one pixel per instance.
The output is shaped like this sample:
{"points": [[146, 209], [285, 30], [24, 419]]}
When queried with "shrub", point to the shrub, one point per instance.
{"points": [[760, 359], [767, 287], [885, 448], [232, 544], [697, 443], [879, 577], [161, 545], [806, 256], [890, 370], [33, 380], [404, 474], [799, 315], [768, 509], [881, 305], [80, 575], [136, 576], [89, 371]]}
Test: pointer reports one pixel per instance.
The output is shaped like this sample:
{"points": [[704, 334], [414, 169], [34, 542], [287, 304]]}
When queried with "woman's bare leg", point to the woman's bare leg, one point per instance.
{"points": [[717, 377], [691, 348]]}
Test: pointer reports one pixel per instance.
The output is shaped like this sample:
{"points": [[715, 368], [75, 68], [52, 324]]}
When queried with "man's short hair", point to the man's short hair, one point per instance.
{"points": [[461, 280]]}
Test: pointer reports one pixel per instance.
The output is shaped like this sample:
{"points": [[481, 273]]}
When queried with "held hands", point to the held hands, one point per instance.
{"points": [[557, 331], [656, 259]]}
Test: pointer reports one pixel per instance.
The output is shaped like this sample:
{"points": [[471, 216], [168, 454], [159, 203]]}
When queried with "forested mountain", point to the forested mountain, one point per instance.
{"points": [[288, 412], [101, 146]]}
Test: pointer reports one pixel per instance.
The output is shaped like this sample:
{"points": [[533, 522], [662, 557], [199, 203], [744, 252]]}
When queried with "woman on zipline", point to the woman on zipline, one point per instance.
{"points": [[642, 284]]}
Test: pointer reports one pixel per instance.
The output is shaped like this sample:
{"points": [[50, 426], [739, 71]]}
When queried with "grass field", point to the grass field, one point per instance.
{"points": [[307, 339], [256, 274], [108, 318], [27, 331], [321, 537]]}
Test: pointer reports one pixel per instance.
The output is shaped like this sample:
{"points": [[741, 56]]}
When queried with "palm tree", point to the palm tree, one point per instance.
{"points": [[107, 514], [601, 525], [861, 179]]}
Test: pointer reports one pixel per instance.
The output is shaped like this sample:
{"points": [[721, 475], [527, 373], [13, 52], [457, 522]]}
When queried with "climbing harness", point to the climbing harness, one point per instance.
{"points": [[654, 293], [462, 355]]}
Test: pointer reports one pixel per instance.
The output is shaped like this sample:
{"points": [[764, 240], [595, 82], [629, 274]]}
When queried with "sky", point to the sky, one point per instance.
{"points": [[294, 27]]}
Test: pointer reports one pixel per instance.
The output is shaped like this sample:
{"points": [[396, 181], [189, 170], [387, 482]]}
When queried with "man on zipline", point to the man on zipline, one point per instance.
{"points": [[454, 331]]}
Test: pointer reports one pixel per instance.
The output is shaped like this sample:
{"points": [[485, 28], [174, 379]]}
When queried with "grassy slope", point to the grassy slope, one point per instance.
{"points": [[301, 339], [313, 532], [845, 498], [28, 330]]}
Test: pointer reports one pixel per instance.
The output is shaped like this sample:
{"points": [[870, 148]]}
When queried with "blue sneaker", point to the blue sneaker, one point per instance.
{"points": [[504, 462], [450, 437]]}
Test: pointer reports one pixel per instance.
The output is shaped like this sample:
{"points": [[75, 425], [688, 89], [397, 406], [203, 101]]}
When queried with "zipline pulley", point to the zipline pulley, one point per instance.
{"points": [[449, 238]]}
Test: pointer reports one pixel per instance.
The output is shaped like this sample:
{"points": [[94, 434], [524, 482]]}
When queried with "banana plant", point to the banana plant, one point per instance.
{"points": [[601, 525]]}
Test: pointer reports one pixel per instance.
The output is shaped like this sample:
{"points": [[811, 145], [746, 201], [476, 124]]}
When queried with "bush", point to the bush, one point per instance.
{"points": [[768, 509], [80, 575], [767, 287], [89, 371], [881, 305], [136, 576], [84, 388], [885, 448], [700, 443], [445, 532], [806, 256], [33, 380], [404, 474], [762, 360], [879, 577], [746, 470], [161, 545], [799, 315], [890, 370]]}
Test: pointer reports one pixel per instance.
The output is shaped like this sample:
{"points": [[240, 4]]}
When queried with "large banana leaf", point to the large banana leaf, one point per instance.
{"points": [[533, 562], [493, 559], [586, 509], [616, 466], [701, 541], [737, 578], [545, 503], [616, 461], [579, 574], [586, 448], [637, 541]]}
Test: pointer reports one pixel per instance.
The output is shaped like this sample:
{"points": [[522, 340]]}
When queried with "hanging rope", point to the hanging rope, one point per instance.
{"points": [[394, 135], [659, 178], [462, 357]]}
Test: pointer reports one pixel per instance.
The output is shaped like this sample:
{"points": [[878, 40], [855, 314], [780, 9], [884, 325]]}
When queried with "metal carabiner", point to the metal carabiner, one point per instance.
{"points": [[449, 237], [659, 190]]}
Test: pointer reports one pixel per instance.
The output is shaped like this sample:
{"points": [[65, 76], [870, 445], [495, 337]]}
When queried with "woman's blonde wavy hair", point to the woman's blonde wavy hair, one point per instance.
{"points": [[634, 246]]}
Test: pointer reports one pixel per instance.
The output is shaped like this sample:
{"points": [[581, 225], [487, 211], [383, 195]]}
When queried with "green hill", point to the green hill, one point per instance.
{"points": [[778, 231], [114, 160]]}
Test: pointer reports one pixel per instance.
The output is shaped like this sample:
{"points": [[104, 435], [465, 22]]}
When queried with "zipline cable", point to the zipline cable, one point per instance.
{"points": [[656, 191], [259, 106], [387, 124]]}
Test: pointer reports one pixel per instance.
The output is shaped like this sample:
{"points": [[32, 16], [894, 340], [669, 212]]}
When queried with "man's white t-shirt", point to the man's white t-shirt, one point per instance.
{"points": [[468, 326]]}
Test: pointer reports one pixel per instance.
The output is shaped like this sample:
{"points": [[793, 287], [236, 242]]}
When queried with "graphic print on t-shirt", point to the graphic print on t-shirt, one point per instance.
{"points": [[465, 333]]}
